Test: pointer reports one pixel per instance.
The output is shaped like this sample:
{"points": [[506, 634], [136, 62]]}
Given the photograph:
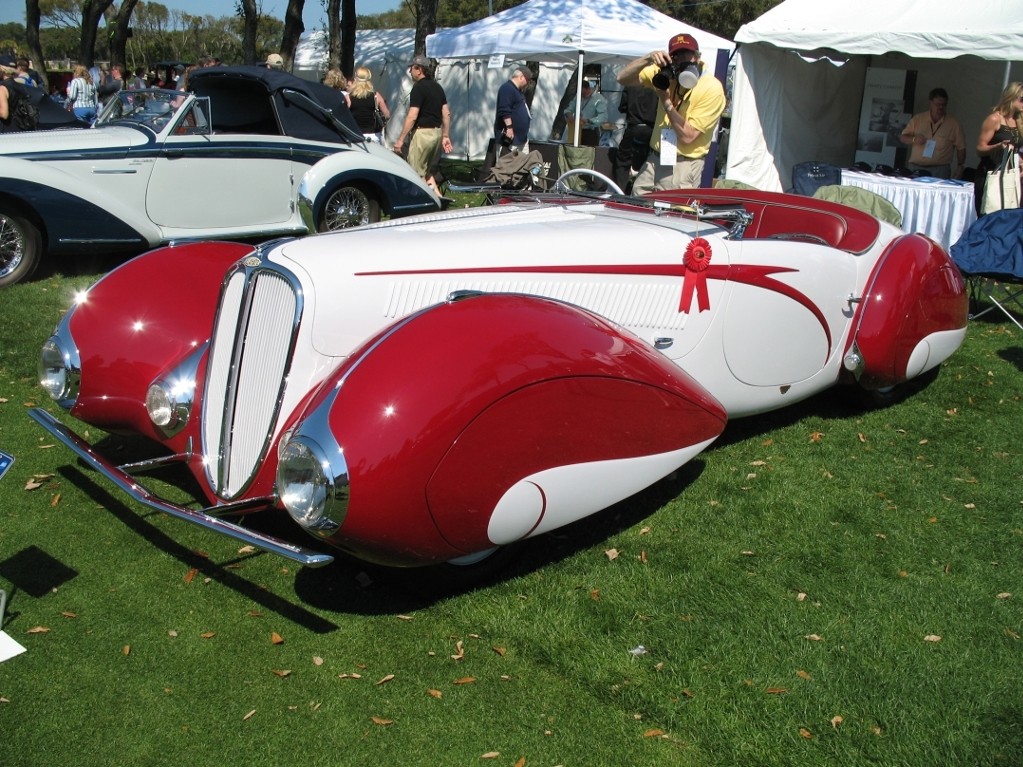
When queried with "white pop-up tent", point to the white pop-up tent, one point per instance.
{"points": [[570, 31], [801, 68]]}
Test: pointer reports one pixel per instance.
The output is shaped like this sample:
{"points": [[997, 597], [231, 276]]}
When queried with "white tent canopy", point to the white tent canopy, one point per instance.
{"points": [[613, 31], [801, 67]]}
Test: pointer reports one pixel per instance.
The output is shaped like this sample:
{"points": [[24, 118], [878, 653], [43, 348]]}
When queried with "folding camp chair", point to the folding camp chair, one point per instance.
{"points": [[990, 256]]}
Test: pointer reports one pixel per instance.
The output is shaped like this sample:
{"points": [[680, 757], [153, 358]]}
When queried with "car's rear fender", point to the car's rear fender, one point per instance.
{"points": [[910, 318], [76, 217], [399, 190]]}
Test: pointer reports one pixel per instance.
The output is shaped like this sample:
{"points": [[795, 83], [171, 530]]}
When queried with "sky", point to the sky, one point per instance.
{"points": [[313, 17]]}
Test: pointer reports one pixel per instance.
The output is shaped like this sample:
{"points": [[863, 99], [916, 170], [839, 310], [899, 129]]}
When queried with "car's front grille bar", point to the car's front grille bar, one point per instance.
{"points": [[250, 357]]}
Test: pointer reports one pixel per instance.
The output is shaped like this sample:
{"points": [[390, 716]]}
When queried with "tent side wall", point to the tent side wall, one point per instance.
{"points": [[788, 110]]}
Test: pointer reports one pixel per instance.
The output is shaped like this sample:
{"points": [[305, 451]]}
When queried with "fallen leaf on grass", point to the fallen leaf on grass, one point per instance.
{"points": [[126, 650], [55, 500], [835, 721], [814, 638], [595, 595], [317, 660], [499, 650], [805, 733], [1003, 595], [276, 638], [249, 715], [932, 638], [804, 675], [611, 554], [654, 733], [816, 436], [1011, 634], [459, 651], [435, 694], [190, 575], [352, 675], [520, 762], [404, 617], [776, 690], [490, 755], [381, 721], [385, 679], [39, 630], [246, 549], [208, 634], [68, 614], [281, 672], [465, 680]]}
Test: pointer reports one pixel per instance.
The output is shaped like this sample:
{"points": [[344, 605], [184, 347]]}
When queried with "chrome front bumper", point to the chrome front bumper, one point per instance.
{"points": [[126, 482]]}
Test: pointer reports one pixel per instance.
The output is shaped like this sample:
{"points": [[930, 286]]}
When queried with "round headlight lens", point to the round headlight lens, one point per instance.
{"points": [[158, 405], [54, 370], [302, 483]]}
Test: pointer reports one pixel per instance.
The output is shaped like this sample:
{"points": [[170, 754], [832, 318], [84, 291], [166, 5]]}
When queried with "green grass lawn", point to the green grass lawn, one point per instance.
{"points": [[827, 585]]}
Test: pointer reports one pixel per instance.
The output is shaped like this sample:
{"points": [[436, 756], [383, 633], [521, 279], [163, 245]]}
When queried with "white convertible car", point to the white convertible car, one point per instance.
{"points": [[427, 390], [248, 153]]}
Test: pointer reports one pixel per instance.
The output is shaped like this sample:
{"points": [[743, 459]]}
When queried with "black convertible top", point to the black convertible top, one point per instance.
{"points": [[251, 99]]}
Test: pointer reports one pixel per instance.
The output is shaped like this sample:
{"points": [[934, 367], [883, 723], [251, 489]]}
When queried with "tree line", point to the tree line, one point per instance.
{"points": [[136, 33]]}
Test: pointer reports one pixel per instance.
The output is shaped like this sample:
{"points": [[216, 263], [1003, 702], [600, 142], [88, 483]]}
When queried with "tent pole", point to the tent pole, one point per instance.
{"points": [[578, 97]]}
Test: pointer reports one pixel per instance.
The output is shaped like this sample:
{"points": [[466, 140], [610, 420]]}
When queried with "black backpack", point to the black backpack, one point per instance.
{"points": [[22, 112]]}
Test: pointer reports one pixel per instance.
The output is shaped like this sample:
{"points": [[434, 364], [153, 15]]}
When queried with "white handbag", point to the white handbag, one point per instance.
{"points": [[1001, 186]]}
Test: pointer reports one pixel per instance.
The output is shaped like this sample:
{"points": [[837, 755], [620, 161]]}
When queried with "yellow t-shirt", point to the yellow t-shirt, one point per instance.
{"points": [[701, 107]]}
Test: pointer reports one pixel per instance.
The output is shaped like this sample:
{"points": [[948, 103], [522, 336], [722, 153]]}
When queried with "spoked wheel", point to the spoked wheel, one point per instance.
{"points": [[20, 246], [349, 206]]}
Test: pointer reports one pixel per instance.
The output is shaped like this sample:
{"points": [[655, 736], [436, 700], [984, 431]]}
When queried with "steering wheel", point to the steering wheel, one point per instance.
{"points": [[561, 187]]}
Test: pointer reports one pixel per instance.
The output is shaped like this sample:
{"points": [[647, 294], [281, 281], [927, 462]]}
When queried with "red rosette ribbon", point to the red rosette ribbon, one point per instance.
{"points": [[696, 260]]}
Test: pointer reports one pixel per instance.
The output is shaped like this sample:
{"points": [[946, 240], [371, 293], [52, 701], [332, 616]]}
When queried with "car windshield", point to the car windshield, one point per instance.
{"points": [[152, 108]]}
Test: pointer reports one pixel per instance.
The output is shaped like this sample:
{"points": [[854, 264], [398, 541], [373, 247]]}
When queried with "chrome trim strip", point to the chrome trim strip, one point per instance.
{"points": [[129, 485]]}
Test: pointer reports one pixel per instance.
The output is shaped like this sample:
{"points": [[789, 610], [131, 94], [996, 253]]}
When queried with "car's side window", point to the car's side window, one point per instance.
{"points": [[195, 121]]}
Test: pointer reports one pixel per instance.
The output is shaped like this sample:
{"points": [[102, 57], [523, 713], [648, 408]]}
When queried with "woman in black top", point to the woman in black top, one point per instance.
{"points": [[368, 107]]}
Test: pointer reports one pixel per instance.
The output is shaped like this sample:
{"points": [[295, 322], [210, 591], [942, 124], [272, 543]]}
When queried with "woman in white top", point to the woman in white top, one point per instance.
{"points": [[81, 95]]}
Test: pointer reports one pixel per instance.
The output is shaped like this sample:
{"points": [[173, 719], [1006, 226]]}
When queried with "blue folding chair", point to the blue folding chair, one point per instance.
{"points": [[990, 256]]}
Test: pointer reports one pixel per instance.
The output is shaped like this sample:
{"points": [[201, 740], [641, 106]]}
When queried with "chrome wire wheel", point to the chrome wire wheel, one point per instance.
{"points": [[19, 248], [348, 207]]}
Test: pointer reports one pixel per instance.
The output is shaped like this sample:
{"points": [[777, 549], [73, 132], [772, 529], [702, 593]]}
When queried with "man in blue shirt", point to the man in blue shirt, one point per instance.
{"points": [[512, 118]]}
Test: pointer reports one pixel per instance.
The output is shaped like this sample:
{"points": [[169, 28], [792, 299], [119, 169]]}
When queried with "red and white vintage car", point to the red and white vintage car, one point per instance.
{"points": [[430, 389]]}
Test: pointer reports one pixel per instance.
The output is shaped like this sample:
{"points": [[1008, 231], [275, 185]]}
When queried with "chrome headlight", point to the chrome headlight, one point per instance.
{"points": [[169, 399], [306, 486], [60, 372]]}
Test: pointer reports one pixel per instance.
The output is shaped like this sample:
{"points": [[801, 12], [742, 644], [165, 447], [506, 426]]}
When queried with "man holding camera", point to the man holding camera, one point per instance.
{"points": [[689, 105]]}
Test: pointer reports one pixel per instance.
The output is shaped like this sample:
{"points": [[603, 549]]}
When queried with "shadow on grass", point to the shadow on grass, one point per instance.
{"points": [[390, 590], [219, 572], [1013, 355]]}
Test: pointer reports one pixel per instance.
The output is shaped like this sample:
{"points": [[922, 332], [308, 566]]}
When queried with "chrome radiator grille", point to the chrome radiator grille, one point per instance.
{"points": [[249, 358]]}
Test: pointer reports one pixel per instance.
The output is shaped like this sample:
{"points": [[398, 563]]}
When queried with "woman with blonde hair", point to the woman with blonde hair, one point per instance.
{"points": [[81, 95], [368, 107], [335, 78], [1000, 137]]}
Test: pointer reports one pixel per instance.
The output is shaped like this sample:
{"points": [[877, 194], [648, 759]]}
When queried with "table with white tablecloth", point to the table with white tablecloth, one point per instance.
{"points": [[942, 210]]}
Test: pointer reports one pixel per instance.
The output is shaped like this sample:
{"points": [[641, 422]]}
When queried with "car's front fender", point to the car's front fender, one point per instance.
{"points": [[482, 421]]}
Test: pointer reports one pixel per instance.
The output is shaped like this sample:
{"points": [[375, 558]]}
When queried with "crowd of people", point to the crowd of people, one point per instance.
{"points": [[671, 107]]}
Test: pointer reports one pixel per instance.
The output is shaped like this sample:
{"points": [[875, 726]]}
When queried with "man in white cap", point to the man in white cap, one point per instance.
{"points": [[275, 61], [690, 104]]}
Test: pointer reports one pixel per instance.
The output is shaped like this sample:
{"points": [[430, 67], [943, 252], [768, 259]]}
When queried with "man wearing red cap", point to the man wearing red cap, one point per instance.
{"points": [[688, 110]]}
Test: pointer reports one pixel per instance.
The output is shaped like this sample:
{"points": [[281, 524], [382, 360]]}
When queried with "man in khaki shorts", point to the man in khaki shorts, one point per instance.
{"points": [[429, 115]]}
